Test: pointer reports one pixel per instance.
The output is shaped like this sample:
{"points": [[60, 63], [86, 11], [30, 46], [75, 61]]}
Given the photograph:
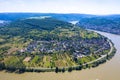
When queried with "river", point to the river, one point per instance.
{"points": [[107, 71]]}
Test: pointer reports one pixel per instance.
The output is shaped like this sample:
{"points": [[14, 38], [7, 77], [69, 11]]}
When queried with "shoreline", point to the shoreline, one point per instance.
{"points": [[94, 63], [102, 72], [91, 62]]}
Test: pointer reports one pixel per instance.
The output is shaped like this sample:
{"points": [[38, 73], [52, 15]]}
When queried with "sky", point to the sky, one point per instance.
{"points": [[61, 6]]}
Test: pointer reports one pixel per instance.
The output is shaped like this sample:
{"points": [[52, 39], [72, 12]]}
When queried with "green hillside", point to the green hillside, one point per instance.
{"points": [[40, 23], [48, 43]]}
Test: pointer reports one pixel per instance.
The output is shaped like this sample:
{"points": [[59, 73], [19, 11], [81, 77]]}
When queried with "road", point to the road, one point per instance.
{"points": [[111, 49], [103, 56]]}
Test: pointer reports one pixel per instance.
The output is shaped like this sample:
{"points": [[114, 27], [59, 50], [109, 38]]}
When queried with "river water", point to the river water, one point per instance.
{"points": [[107, 71]]}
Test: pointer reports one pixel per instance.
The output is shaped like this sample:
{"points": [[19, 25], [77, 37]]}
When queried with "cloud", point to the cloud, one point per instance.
{"points": [[60, 6]]}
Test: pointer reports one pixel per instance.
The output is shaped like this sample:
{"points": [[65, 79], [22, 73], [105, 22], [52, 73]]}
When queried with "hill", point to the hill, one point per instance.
{"points": [[40, 23], [109, 24], [46, 43], [64, 17]]}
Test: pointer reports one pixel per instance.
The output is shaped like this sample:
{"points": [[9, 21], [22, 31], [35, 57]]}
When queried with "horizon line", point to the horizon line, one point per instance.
{"points": [[61, 13]]}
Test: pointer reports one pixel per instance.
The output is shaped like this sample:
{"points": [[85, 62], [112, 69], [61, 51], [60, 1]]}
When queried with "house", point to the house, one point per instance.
{"points": [[23, 50]]}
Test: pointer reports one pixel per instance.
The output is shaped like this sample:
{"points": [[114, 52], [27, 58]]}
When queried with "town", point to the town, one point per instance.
{"points": [[78, 48]]}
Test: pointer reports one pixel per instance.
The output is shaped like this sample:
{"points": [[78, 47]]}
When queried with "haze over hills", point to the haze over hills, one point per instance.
{"points": [[65, 17], [107, 23]]}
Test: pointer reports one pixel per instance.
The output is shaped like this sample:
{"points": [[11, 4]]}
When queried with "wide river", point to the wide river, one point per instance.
{"points": [[107, 71]]}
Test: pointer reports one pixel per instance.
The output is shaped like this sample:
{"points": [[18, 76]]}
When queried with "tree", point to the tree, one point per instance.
{"points": [[107, 56], [69, 69], [75, 59], [2, 66], [56, 70], [79, 67], [63, 70]]}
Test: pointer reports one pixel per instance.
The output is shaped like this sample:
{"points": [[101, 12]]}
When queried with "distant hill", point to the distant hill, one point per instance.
{"points": [[64, 17], [40, 23], [107, 23]]}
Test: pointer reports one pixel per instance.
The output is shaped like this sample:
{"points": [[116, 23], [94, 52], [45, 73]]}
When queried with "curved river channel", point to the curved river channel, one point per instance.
{"points": [[108, 71]]}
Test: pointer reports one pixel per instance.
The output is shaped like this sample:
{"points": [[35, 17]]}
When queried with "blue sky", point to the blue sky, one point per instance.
{"points": [[61, 6]]}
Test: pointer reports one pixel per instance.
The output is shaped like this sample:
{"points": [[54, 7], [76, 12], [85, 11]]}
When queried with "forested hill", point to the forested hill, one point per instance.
{"points": [[64, 17], [24, 26], [109, 24], [40, 23]]}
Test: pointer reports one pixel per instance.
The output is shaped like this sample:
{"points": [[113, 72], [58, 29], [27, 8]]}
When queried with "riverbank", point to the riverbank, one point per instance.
{"points": [[93, 63], [90, 64], [107, 71]]}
